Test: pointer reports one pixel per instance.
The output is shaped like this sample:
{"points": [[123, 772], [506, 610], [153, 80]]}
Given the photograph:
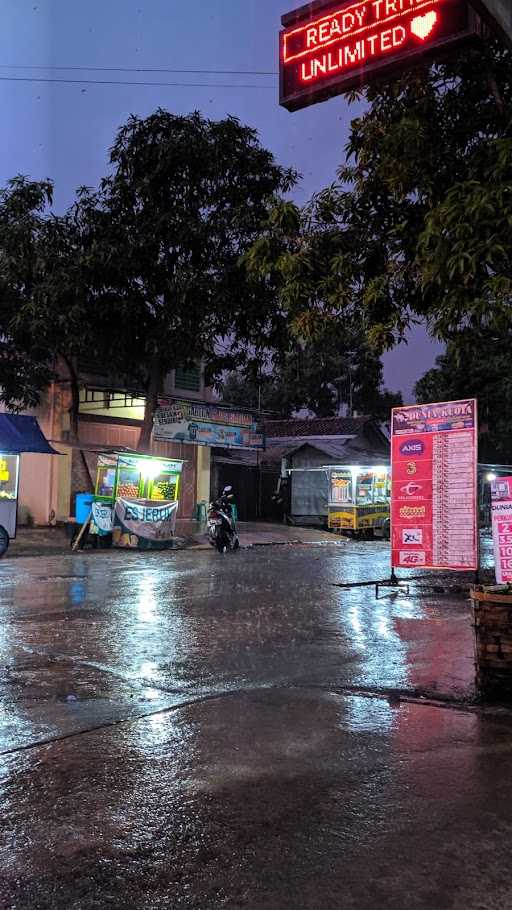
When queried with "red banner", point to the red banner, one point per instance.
{"points": [[501, 491], [433, 501]]}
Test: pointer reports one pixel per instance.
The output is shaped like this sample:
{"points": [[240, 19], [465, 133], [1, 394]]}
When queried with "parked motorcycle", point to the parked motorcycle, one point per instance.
{"points": [[221, 527]]}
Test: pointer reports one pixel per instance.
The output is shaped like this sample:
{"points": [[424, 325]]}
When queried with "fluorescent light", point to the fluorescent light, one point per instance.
{"points": [[149, 468]]}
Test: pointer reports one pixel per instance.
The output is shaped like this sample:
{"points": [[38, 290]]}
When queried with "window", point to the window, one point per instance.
{"points": [[8, 477], [188, 380]]}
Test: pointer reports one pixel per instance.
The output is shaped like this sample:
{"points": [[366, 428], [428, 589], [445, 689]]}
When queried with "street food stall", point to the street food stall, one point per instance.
{"points": [[136, 500], [18, 435], [9, 483], [359, 498]]}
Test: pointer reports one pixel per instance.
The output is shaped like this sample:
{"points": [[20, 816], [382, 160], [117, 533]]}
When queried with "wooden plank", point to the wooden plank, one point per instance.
{"points": [[492, 598]]}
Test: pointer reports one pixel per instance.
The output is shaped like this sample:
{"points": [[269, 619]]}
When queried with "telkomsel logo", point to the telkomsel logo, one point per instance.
{"points": [[411, 489], [412, 447]]}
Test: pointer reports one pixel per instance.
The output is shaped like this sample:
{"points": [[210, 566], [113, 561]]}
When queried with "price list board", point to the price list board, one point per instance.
{"points": [[501, 493], [433, 501]]}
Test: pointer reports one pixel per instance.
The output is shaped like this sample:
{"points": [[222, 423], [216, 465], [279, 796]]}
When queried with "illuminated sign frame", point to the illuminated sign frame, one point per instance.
{"points": [[434, 509], [328, 47]]}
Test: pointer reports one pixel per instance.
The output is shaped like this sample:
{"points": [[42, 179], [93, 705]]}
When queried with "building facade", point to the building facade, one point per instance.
{"points": [[109, 417]]}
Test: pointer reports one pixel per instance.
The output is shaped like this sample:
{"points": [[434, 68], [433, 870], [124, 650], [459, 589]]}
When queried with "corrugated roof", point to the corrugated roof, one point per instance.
{"points": [[335, 450], [246, 457]]}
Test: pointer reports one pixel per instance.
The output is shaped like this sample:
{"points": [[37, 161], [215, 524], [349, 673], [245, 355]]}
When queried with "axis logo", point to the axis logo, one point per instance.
{"points": [[412, 447]]}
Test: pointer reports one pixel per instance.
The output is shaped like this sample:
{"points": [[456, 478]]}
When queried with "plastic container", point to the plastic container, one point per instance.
{"points": [[83, 505]]}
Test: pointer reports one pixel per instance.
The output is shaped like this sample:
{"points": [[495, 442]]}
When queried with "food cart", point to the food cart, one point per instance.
{"points": [[18, 434], [9, 482], [136, 500], [359, 499]]}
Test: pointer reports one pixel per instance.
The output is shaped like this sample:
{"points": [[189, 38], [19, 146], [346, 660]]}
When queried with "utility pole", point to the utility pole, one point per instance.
{"points": [[258, 463], [340, 381]]}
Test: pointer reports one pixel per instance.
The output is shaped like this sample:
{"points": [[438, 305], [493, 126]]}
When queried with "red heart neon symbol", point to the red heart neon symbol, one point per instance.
{"points": [[423, 25]]}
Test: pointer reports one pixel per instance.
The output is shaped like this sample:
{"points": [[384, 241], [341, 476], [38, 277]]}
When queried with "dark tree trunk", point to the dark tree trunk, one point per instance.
{"points": [[74, 417], [153, 391]]}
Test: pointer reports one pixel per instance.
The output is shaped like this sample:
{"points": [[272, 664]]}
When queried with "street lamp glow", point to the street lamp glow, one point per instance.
{"points": [[490, 477]]}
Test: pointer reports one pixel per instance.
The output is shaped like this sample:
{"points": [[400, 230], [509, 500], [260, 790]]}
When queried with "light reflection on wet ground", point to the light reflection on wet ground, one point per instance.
{"points": [[104, 632], [203, 748]]}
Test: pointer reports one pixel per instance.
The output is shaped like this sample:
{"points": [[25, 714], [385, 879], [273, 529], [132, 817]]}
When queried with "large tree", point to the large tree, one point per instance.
{"points": [[25, 363], [46, 319], [463, 371], [185, 200], [418, 224]]}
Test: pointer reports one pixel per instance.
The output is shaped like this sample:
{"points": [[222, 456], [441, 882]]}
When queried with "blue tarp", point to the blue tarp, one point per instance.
{"points": [[20, 434]]}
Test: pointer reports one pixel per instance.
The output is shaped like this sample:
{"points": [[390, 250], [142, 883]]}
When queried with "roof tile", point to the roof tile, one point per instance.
{"points": [[315, 426]]}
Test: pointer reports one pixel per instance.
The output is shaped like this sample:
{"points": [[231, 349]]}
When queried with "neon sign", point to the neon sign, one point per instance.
{"points": [[327, 48]]}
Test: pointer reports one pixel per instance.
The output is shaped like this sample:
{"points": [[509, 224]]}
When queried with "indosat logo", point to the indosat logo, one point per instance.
{"points": [[412, 447]]}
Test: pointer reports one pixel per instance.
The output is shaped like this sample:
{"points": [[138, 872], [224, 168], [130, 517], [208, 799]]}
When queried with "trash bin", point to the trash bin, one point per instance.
{"points": [[200, 512], [83, 505]]}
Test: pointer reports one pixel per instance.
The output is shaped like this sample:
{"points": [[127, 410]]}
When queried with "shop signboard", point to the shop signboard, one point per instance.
{"points": [[434, 518], [207, 425], [329, 47], [102, 515], [501, 508], [143, 524]]}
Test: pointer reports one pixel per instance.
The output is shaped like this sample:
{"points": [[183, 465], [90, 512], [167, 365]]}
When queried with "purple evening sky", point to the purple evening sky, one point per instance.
{"points": [[63, 130]]}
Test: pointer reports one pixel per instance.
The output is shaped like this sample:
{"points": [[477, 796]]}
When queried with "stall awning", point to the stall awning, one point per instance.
{"points": [[20, 434]]}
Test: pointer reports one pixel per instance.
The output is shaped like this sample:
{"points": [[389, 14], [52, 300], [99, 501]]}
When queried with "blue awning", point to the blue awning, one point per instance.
{"points": [[20, 434]]}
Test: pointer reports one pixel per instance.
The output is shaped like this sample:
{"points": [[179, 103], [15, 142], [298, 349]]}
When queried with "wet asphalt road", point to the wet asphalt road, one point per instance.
{"points": [[190, 730]]}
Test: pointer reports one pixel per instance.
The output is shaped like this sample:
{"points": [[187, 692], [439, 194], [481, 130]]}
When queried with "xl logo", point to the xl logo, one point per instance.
{"points": [[412, 447], [412, 536]]}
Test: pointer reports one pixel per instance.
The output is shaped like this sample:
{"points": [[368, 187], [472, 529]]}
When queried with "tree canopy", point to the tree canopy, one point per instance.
{"points": [[465, 371], [168, 229], [417, 226], [44, 312]]}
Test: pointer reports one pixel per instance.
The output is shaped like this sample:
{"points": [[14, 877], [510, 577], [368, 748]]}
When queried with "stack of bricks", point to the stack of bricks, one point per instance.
{"points": [[492, 608]]}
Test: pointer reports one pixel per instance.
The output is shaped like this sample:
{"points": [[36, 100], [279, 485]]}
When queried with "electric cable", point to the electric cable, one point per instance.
{"points": [[136, 69], [210, 85]]}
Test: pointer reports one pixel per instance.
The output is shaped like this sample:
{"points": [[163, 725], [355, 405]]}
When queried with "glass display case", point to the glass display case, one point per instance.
{"points": [[136, 499], [9, 470], [9, 480], [145, 477], [359, 499]]}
